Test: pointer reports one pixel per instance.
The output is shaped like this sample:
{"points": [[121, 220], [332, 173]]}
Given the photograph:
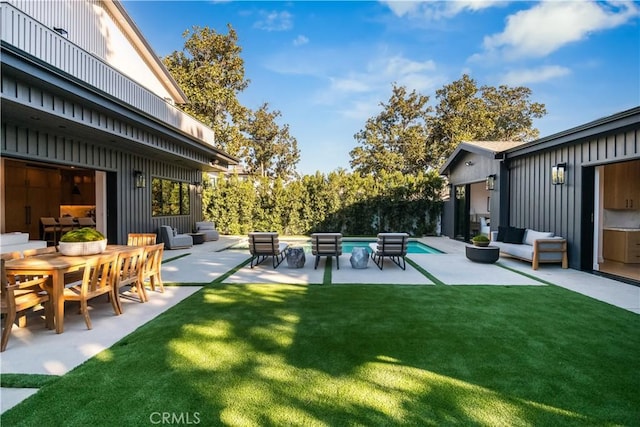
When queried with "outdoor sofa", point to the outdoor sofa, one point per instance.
{"points": [[531, 245]]}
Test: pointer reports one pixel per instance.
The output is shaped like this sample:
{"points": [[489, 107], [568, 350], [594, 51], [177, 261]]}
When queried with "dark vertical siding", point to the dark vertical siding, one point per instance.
{"points": [[535, 203], [133, 210]]}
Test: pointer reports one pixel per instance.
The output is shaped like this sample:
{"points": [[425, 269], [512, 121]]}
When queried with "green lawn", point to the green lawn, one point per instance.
{"points": [[360, 355]]}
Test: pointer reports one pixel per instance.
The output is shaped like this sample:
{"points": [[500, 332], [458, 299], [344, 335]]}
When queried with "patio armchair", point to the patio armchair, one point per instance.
{"points": [[263, 245], [326, 244], [16, 296], [173, 240], [391, 245]]}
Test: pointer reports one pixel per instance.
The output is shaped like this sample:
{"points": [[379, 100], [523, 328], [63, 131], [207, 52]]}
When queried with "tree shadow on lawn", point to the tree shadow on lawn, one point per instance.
{"points": [[360, 355]]}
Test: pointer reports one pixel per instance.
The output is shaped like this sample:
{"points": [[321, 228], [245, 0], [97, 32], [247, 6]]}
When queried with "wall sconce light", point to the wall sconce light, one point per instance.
{"points": [[490, 183], [468, 163], [140, 180], [559, 174], [198, 187]]}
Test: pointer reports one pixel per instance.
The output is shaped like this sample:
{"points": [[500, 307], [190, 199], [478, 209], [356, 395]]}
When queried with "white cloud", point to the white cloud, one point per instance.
{"points": [[274, 21], [300, 40], [349, 85], [535, 75], [402, 7], [432, 10], [550, 25]]}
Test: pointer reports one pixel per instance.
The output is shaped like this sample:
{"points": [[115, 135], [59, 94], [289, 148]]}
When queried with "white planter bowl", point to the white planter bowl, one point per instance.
{"points": [[82, 248]]}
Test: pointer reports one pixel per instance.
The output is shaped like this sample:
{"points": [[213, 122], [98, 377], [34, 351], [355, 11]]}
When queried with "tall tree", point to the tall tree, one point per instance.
{"points": [[272, 151], [394, 140], [210, 71], [466, 112]]}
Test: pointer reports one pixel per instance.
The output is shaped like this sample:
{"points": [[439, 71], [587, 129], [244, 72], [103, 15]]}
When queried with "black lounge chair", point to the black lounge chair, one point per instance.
{"points": [[326, 244], [390, 245], [263, 245]]}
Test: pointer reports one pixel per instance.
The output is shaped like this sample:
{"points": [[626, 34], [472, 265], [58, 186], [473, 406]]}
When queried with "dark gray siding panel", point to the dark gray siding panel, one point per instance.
{"points": [[535, 203], [133, 211]]}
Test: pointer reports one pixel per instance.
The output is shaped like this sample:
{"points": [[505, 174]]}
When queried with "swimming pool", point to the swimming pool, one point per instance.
{"points": [[413, 247]]}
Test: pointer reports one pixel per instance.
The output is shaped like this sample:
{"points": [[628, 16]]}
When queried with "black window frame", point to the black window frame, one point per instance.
{"points": [[170, 197]]}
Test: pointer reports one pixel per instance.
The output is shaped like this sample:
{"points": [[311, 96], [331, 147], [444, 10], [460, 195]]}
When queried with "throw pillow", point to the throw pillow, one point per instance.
{"points": [[532, 235], [502, 232], [514, 235]]}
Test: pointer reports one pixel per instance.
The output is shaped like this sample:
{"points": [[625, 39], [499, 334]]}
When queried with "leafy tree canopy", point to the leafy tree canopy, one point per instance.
{"points": [[394, 140], [409, 136], [210, 71], [272, 151]]}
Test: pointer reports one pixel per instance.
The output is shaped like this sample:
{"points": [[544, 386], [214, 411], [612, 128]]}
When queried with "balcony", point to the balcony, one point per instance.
{"points": [[39, 41]]}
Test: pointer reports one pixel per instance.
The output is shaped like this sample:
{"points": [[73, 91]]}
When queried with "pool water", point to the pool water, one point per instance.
{"points": [[412, 247]]}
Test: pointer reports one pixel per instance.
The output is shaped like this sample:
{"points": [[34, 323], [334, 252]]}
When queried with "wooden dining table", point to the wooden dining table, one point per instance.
{"points": [[55, 265]]}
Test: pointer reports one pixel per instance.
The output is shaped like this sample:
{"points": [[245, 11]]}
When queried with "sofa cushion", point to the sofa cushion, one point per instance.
{"points": [[514, 235], [502, 231], [531, 236]]}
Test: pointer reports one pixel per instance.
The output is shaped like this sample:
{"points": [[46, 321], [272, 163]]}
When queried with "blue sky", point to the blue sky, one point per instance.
{"points": [[328, 65]]}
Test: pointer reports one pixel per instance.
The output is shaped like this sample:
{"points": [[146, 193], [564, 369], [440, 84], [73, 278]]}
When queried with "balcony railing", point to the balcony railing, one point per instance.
{"points": [[23, 32]]}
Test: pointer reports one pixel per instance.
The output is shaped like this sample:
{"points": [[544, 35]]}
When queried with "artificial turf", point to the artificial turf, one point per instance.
{"points": [[360, 355]]}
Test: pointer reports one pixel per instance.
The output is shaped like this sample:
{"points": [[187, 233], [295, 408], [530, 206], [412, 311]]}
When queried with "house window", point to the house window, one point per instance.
{"points": [[169, 197]]}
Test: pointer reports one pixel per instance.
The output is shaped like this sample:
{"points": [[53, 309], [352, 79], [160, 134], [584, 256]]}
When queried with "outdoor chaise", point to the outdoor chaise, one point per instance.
{"points": [[173, 240], [263, 245], [392, 246], [326, 244]]}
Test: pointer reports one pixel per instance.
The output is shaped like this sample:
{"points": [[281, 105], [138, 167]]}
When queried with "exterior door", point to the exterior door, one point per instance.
{"points": [[461, 212], [30, 193]]}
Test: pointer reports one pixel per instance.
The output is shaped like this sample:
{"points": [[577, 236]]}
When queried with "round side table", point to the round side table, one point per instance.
{"points": [[295, 257], [486, 255], [359, 257]]}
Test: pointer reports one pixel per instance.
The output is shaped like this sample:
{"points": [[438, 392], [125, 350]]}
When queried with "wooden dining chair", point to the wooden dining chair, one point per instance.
{"points": [[67, 224], [50, 228], [141, 239], [153, 266], [86, 222], [129, 272], [18, 296], [98, 279], [39, 251]]}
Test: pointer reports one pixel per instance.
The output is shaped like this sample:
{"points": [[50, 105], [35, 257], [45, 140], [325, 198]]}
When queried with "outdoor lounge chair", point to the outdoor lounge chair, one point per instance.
{"points": [[326, 244], [263, 245], [392, 246], [173, 240]]}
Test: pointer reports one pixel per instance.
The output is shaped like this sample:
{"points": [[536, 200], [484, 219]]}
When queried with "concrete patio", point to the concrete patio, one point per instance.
{"points": [[36, 350]]}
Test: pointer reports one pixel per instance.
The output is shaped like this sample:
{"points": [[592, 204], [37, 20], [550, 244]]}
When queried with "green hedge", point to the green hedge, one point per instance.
{"points": [[339, 201]]}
